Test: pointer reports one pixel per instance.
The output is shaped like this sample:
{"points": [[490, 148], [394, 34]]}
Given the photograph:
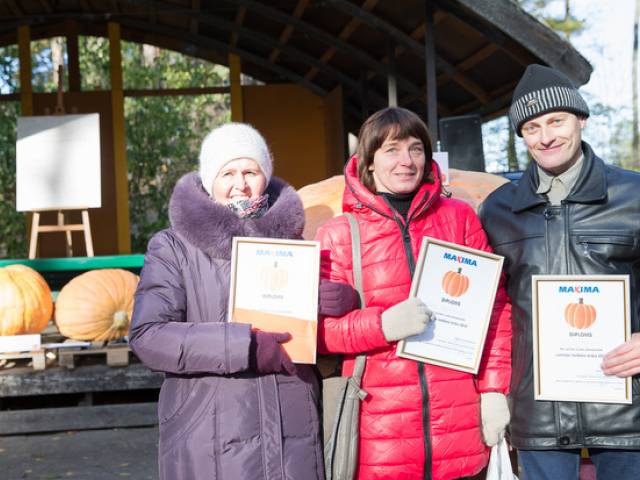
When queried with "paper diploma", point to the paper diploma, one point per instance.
{"points": [[576, 321], [459, 285], [274, 287]]}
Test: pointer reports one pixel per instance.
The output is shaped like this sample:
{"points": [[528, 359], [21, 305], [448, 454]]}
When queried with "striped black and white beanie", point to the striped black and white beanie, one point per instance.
{"points": [[542, 90]]}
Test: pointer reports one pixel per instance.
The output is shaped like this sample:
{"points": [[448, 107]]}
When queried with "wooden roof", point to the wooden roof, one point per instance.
{"points": [[481, 46]]}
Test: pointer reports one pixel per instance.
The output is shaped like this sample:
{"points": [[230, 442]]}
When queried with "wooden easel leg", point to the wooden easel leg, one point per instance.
{"points": [[33, 242], [69, 245], [87, 233]]}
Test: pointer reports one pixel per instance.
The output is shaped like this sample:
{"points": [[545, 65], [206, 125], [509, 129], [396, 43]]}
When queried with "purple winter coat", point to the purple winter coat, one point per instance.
{"points": [[218, 419]]}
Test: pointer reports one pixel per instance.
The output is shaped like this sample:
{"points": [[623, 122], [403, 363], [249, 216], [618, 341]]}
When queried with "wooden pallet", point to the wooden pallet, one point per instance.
{"points": [[117, 355], [38, 359]]}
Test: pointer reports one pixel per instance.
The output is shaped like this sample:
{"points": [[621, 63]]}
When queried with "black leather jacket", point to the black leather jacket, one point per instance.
{"points": [[596, 230]]}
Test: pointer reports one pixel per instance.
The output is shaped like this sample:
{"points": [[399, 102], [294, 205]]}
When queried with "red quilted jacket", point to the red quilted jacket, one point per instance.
{"points": [[419, 421]]}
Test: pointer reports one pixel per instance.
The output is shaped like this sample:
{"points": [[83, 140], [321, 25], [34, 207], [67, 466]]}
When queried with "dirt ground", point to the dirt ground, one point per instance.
{"points": [[91, 455]]}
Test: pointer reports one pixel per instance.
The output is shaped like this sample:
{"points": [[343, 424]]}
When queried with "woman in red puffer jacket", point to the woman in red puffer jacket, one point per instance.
{"points": [[419, 421]]}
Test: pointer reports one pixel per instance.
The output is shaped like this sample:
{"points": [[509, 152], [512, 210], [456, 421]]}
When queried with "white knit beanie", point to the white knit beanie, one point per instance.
{"points": [[229, 142]]}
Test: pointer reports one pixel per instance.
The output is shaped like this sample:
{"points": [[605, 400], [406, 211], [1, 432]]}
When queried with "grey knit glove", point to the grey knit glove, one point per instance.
{"points": [[405, 319], [494, 413]]}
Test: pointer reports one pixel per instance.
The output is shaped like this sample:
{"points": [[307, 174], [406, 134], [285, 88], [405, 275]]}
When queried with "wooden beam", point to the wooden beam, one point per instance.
{"points": [[470, 61], [153, 15], [41, 420], [392, 86], [237, 105], [15, 9], [417, 34], [501, 99], [260, 8], [346, 32], [172, 92], [46, 5], [119, 146], [430, 74], [84, 378], [73, 56], [24, 54], [288, 50], [508, 17], [193, 24], [190, 40], [85, 6], [288, 30], [235, 35], [402, 38], [10, 97]]}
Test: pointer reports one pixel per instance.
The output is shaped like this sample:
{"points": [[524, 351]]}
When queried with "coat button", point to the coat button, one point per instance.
{"points": [[564, 440]]}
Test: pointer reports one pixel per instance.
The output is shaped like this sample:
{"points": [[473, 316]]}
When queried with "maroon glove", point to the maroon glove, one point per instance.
{"points": [[335, 299], [266, 355]]}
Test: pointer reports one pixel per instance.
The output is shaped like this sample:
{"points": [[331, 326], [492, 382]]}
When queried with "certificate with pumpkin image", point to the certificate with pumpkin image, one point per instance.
{"points": [[577, 319], [459, 285], [274, 287]]}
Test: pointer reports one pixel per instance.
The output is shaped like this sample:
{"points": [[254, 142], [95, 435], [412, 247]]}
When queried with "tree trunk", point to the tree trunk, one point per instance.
{"points": [[635, 160], [567, 16], [512, 157], [57, 56]]}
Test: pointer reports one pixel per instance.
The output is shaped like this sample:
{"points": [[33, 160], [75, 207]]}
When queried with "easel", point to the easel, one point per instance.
{"points": [[85, 227]]}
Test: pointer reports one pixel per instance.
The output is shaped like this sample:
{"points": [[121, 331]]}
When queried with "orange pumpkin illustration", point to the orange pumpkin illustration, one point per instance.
{"points": [[274, 278], [580, 315], [455, 284]]}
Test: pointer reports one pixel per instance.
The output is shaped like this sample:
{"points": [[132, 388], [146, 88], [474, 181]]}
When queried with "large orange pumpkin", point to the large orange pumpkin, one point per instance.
{"points": [[323, 200], [455, 284], [25, 301], [96, 305], [580, 315]]}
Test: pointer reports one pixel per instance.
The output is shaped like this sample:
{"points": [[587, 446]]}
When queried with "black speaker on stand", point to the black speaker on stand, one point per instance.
{"points": [[461, 136]]}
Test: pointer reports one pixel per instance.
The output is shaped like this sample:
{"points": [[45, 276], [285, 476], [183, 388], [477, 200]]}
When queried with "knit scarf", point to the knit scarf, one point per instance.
{"points": [[250, 208]]}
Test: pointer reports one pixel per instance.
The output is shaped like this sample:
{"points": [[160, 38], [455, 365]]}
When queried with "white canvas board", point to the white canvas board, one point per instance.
{"points": [[58, 162]]}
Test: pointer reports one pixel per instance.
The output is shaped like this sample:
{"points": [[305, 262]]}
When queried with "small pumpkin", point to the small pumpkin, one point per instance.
{"points": [[455, 284], [25, 301], [580, 315], [274, 278], [96, 305]]}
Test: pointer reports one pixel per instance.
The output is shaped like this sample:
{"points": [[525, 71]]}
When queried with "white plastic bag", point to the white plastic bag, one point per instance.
{"points": [[499, 463]]}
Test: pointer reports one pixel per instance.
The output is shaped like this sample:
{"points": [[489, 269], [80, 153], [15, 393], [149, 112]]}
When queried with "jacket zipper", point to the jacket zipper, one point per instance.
{"points": [[425, 421], [406, 242], [565, 217], [426, 415], [548, 215]]}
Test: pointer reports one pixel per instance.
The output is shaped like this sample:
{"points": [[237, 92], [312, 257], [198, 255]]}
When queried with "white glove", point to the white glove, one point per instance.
{"points": [[404, 319], [494, 414]]}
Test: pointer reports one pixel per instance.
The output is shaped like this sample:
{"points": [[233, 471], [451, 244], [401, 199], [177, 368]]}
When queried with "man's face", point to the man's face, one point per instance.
{"points": [[553, 140]]}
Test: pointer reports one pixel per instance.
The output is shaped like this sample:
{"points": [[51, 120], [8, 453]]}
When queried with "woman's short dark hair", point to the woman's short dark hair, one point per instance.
{"points": [[392, 122]]}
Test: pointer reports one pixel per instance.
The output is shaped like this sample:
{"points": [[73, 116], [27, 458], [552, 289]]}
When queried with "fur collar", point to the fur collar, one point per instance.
{"points": [[210, 226]]}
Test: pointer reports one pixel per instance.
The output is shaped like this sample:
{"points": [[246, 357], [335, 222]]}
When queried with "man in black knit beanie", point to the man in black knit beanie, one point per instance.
{"points": [[570, 214]]}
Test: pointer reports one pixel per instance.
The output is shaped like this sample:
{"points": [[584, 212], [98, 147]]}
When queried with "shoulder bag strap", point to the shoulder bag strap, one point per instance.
{"points": [[358, 368]]}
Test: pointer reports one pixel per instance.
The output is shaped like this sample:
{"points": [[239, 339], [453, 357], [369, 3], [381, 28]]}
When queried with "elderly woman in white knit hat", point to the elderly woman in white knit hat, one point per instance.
{"points": [[232, 405]]}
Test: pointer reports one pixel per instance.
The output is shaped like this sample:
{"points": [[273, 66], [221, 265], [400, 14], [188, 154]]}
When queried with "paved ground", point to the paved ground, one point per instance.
{"points": [[128, 453], [91, 455]]}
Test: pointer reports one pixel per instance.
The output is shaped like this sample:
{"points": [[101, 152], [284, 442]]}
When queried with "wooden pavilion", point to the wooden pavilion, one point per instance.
{"points": [[322, 65]]}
